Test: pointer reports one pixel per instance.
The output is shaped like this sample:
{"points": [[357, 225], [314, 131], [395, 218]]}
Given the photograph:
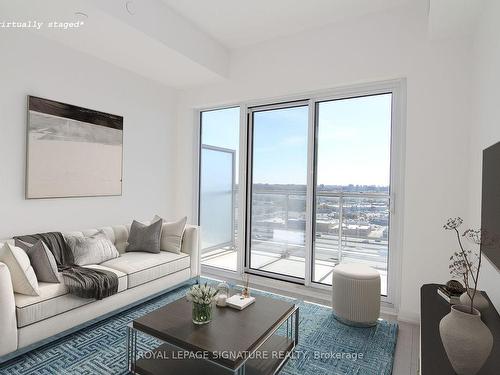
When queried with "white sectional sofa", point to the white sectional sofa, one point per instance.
{"points": [[30, 321]]}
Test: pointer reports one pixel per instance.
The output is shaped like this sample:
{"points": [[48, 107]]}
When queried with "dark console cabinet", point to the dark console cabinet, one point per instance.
{"points": [[433, 358]]}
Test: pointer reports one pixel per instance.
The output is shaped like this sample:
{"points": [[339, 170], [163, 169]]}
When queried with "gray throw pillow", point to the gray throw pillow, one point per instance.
{"points": [[94, 249], [41, 259], [144, 237]]}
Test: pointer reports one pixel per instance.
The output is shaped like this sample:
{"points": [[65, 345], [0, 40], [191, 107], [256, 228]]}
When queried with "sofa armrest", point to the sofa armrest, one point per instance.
{"points": [[8, 321], [191, 246]]}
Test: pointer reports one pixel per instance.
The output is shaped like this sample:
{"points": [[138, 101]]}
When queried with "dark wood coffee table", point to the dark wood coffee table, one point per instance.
{"points": [[256, 340]]}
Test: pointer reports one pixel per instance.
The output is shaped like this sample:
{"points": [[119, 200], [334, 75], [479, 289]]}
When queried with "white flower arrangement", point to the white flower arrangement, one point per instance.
{"points": [[202, 294]]}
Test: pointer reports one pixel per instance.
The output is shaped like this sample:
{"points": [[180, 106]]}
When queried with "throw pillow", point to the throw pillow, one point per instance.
{"points": [[144, 237], [41, 259], [22, 274], [171, 235], [94, 249]]}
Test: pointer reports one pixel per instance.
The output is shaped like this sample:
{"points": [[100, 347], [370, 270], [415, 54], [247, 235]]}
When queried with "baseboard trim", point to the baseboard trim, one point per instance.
{"points": [[409, 317], [318, 296]]}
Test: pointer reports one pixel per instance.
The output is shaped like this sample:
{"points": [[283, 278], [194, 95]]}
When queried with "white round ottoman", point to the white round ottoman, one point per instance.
{"points": [[356, 294]]}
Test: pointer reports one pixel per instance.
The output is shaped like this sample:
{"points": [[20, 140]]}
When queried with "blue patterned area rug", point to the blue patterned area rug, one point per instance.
{"points": [[326, 346]]}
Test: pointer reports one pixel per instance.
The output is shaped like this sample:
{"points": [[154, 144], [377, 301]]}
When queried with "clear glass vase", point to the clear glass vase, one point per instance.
{"points": [[202, 313]]}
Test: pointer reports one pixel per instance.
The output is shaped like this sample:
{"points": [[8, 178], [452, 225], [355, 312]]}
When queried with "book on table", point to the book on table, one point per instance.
{"points": [[450, 297], [238, 302]]}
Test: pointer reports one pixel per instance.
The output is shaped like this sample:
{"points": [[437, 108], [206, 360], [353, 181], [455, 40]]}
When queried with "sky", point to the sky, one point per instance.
{"points": [[353, 141], [221, 128]]}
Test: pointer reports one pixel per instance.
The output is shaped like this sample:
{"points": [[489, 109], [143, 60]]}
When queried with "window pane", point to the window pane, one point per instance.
{"points": [[216, 198], [353, 184], [354, 138], [327, 237], [365, 234], [279, 178], [218, 187]]}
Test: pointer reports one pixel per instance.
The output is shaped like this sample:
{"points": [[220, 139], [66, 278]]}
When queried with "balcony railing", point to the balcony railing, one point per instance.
{"points": [[349, 227]]}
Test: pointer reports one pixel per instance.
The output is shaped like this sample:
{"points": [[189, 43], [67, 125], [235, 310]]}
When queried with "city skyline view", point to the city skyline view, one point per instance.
{"points": [[353, 141], [352, 170]]}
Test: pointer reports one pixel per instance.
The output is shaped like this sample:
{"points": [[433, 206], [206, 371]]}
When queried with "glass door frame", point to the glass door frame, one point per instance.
{"points": [[198, 145], [397, 161], [351, 195], [232, 153], [397, 177], [249, 170]]}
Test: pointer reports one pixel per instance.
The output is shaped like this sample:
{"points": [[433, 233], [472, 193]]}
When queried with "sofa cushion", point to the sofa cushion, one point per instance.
{"points": [[171, 235], [117, 234], [121, 236], [22, 274], [144, 267], [54, 299], [93, 249], [143, 237], [42, 260]]}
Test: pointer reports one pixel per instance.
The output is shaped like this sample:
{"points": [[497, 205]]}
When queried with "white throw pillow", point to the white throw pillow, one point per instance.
{"points": [[91, 250], [22, 274], [171, 235]]}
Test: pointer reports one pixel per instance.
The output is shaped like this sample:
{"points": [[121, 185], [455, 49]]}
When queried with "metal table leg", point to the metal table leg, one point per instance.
{"points": [[296, 327], [131, 348]]}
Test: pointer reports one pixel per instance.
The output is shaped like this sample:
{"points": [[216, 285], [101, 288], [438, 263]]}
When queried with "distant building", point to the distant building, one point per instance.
{"points": [[356, 230], [324, 226]]}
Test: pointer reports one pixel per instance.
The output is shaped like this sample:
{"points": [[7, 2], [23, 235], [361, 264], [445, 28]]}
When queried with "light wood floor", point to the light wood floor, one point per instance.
{"points": [[406, 360]]}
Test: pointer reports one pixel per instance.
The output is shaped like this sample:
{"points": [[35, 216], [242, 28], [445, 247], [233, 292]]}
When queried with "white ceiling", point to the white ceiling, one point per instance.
{"points": [[184, 43], [238, 23], [154, 41]]}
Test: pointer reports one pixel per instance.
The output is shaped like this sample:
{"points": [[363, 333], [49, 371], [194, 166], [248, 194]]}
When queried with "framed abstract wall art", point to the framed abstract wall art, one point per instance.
{"points": [[72, 151]]}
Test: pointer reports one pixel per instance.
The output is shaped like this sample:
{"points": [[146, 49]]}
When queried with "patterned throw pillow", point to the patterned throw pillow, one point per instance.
{"points": [[42, 260], [91, 250]]}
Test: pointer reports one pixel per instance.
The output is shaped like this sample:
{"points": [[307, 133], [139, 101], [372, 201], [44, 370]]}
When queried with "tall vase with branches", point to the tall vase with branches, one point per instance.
{"points": [[466, 339], [465, 264]]}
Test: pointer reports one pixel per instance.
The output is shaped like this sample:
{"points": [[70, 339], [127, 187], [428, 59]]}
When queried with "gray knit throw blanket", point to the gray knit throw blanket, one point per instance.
{"points": [[82, 282]]}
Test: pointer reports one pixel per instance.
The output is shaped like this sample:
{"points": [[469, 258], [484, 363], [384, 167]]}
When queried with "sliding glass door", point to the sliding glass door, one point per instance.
{"points": [[218, 175], [277, 190], [321, 175], [350, 208], [352, 189]]}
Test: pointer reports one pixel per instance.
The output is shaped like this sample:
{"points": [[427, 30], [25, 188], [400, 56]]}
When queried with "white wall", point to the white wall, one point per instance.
{"points": [[485, 126], [446, 129], [30, 64], [375, 47]]}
